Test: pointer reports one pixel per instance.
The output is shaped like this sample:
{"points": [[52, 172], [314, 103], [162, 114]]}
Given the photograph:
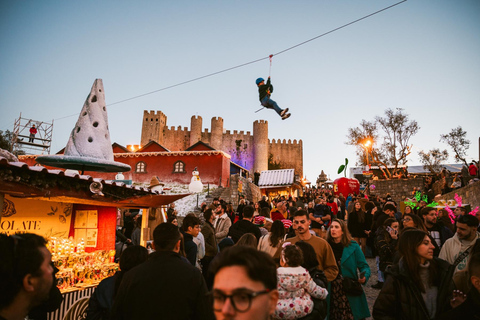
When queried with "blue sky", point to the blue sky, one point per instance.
{"points": [[422, 56]]}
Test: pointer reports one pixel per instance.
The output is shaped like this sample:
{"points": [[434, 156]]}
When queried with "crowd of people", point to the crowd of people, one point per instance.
{"points": [[280, 258]]}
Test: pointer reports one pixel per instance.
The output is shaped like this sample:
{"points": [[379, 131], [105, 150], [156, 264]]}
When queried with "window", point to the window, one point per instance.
{"points": [[141, 167], [179, 167]]}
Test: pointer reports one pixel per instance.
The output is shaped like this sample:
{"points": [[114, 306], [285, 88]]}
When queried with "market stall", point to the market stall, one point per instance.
{"points": [[78, 215]]}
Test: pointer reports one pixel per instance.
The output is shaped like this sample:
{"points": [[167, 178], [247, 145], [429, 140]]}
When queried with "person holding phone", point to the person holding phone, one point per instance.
{"points": [[350, 259], [386, 242]]}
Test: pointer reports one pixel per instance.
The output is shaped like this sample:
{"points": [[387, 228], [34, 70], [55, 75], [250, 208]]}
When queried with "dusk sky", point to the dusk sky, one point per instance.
{"points": [[422, 56]]}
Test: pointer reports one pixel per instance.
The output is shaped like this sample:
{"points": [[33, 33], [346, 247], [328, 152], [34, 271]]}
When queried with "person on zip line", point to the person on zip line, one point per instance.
{"points": [[265, 91]]}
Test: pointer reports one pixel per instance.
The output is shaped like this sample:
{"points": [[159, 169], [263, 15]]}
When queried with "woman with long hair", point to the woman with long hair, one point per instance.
{"points": [[359, 225], [273, 240], [418, 287], [411, 220], [247, 240], [350, 259], [257, 209], [211, 247], [386, 243]]}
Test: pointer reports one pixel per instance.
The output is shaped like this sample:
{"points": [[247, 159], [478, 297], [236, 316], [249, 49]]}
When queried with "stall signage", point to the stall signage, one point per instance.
{"points": [[45, 218]]}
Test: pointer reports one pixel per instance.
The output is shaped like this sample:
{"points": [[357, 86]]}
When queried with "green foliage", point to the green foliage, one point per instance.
{"points": [[456, 139], [433, 159], [5, 140]]}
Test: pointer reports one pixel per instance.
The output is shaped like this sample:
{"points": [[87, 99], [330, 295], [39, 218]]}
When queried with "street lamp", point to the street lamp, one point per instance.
{"points": [[366, 145]]}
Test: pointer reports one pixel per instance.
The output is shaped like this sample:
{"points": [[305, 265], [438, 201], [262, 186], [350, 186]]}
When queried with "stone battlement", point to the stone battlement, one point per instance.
{"points": [[249, 149], [289, 142]]}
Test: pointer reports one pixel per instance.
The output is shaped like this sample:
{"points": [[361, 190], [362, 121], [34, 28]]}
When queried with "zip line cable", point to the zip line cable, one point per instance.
{"points": [[251, 62]]}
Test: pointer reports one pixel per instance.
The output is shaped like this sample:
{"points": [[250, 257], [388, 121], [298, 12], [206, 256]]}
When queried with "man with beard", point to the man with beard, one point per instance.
{"points": [[463, 240], [325, 257], [26, 274], [437, 231]]}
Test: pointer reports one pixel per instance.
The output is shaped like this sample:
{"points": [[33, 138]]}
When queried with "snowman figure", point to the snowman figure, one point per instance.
{"points": [[195, 184]]}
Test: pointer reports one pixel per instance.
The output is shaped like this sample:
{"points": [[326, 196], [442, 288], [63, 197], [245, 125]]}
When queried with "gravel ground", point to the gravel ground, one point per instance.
{"points": [[370, 292]]}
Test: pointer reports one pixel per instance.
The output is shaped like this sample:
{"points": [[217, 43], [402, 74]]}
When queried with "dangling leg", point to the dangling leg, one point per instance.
{"points": [[269, 103]]}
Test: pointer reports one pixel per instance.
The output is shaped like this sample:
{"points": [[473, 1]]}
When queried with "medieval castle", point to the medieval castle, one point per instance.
{"points": [[253, 152]]}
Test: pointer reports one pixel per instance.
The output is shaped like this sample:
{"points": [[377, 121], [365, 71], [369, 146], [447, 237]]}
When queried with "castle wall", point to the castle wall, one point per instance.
{"points": [[288, 154], [239, 145], [176, 139], [248, 150]]}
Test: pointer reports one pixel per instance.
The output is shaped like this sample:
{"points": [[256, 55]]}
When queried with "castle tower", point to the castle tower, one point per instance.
{"points": [[195, 130], [152, 126], [216, 138], [260, 145]]}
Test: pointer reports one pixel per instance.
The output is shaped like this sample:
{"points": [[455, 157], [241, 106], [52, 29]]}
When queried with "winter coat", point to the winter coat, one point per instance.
{"points": [[357, 228], [400, 297], [211, 248], [191, 249], [353, 260], [241, 227], [296, 289], [222, 226], [101, 301], [386, 248], [163, 287]]}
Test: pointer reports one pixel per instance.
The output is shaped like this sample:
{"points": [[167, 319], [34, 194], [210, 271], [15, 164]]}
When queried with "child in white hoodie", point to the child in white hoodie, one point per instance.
{"points": [[295, 286]]}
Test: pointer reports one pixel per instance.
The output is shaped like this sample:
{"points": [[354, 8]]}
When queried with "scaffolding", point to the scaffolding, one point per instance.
{"points": [[24, 143]]}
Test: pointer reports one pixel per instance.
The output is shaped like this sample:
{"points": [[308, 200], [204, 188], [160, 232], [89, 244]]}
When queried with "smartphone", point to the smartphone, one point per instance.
{"points": [[389, 229], [362, 275]]}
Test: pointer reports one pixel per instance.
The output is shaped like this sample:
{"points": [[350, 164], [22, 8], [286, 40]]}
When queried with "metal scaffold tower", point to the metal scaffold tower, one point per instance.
{"points": [[25, 141]]}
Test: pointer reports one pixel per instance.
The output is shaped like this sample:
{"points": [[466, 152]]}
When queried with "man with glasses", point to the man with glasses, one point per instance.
{"points": [[26, 275], [245, 284]]}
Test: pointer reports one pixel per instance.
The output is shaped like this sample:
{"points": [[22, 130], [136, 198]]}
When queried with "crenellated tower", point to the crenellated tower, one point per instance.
{"points": [[216, 137], [195, 129], [260, 145], [152, 126]]}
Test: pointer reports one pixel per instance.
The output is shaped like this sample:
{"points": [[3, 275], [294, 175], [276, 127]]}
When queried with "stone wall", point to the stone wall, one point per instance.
{"points": [[470, 194], [397, 188], [231, 193], [248, 150]]}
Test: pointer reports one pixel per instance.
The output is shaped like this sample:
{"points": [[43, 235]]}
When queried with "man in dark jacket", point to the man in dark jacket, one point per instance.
{"points": [[264, 92], [165, 286], [244, 226], [191, 228]]}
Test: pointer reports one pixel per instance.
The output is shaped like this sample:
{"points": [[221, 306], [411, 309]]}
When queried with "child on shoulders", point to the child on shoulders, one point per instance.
{"points": [[295, 286]]}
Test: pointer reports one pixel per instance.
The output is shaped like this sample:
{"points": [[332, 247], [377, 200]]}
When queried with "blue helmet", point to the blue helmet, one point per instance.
{"points": [[259, 80]]}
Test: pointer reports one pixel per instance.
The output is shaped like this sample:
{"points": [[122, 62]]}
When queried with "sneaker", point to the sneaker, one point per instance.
{"points": [[284, 111], [286, 116], [378, 285]]}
